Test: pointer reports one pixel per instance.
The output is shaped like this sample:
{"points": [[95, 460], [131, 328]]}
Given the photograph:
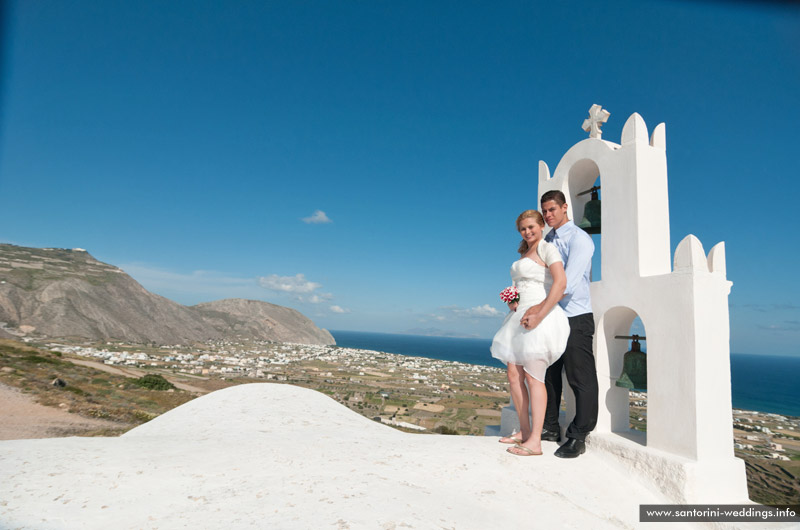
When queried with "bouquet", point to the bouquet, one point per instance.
{"points": [[509, 295]]}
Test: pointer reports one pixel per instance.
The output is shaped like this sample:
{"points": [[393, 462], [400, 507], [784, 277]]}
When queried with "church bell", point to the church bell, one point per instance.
{"points": [[634, 366], [591, 212]]}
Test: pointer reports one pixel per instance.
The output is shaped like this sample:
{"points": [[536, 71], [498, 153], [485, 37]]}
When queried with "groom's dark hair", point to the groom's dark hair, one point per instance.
{"points": [[554, 195]]}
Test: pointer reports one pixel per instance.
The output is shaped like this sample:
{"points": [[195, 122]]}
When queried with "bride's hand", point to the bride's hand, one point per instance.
{"points": [[513, 305]]}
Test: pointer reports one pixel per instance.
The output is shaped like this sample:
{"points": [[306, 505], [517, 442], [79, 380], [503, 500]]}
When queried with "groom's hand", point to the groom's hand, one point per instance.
{"points": [[531, 318]]}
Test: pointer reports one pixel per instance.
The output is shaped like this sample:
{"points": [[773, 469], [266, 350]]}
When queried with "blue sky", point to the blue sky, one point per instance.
{"points": [[192, 143]]}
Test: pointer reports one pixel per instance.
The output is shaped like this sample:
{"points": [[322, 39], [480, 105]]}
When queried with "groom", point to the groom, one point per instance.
{"points": [[576, 248]]}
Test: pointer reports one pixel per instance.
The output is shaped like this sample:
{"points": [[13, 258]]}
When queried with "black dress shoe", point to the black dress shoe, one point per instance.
{"points": [[572, 449], [550, 436]]}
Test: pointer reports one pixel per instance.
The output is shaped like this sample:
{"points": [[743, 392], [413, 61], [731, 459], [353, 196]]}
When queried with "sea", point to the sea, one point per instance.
{"points": [[764, 383]]}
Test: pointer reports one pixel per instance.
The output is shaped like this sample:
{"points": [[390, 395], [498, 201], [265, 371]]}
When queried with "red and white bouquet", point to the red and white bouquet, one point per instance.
{"points": [[509, 294]]}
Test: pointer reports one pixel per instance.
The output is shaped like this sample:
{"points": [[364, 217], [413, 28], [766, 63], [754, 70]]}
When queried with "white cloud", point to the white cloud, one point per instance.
{"points": [[298, 287], [481, 311], [202, 286], [288, 284], [319, 217], [764, 308], [318, 298], [337, 309], [454, 313], [432, 316], [787, 325]]}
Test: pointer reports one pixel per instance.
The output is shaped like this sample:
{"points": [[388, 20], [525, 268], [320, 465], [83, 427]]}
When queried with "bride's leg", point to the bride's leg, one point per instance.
{"points": [[519, 395], [538, 407]]}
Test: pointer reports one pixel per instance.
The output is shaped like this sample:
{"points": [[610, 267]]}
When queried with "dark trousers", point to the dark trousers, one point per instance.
{"points": [[578, 362]]}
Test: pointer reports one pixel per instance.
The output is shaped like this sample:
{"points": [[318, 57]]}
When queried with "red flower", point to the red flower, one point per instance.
{"points": [[509, 294]]}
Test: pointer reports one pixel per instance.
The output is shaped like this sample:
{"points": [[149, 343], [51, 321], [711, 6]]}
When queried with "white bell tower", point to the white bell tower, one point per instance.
{"points": [[687, 452]]}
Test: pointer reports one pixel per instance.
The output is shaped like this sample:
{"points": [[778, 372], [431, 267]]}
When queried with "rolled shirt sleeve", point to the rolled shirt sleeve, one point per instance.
{"points": [[579, 266]]}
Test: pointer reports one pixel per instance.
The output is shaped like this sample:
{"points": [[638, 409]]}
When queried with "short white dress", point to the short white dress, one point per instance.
{"points": [[537, 348]]}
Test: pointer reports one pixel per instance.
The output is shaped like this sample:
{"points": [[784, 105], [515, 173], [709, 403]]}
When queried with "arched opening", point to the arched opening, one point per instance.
{"points": [[583, 183], [637, 397], [627, 406]]}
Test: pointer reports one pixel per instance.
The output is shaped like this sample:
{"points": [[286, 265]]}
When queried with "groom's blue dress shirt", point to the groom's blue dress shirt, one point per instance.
{"points": [[576, 248]]}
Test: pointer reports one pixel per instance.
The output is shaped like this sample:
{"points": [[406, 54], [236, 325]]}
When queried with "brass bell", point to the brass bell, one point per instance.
{"points": [[591, 212], [634, 366]]}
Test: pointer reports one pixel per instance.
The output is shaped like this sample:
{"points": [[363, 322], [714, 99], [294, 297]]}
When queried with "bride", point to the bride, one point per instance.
{"points": [[539, 277]]}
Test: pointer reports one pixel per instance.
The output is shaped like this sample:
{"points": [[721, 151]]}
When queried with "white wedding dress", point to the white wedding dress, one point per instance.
{"points": [[537, 348]]}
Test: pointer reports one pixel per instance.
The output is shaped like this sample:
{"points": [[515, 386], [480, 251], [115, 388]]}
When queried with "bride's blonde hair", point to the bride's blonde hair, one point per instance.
{"points": [[523, 247]]}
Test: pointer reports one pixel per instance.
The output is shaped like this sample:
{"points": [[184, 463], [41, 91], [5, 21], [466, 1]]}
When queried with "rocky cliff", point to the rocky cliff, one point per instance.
{"points": [[68, 293]]}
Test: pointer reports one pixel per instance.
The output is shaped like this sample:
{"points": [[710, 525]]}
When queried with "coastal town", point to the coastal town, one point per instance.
{"points": [[411, 393]]}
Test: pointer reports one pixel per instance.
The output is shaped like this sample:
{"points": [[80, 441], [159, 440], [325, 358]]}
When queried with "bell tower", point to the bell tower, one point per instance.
{"points": [[687, 451]]}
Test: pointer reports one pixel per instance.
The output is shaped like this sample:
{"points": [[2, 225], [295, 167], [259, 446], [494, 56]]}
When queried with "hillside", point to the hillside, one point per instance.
{"points": [[253, 318], [68, 293]]}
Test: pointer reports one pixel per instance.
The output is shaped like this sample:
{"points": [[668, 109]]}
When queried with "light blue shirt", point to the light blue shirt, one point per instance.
{"points": [[576, 248]]}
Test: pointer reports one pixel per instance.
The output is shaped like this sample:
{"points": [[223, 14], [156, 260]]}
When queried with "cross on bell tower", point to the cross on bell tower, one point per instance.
{"points": [[597, 117]]}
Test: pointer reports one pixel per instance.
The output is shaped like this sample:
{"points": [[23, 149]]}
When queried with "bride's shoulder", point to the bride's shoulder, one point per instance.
{"points": [[548, 252], [549, 244], [545, 246]]}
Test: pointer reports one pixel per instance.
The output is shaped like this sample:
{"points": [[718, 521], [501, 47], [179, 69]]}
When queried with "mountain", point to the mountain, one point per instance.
{"points": [[68, 293], [237, 317]]}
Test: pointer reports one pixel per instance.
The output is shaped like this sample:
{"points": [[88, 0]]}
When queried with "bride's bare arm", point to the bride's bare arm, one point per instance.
{"points": [[535, 314]]}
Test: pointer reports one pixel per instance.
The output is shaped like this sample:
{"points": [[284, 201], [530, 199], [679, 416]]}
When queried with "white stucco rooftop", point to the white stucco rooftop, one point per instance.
{"points": [[280, 456]]}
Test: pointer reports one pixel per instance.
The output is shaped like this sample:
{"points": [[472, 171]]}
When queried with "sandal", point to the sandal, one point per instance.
{"points": [[526, 451], [510, 440]]}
